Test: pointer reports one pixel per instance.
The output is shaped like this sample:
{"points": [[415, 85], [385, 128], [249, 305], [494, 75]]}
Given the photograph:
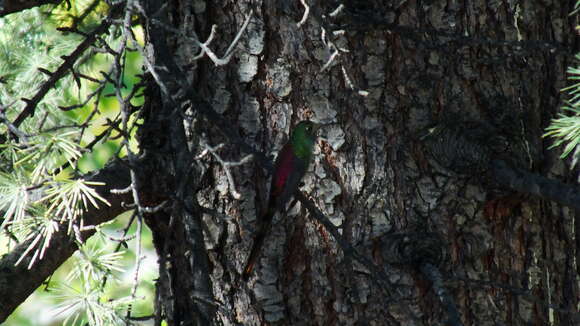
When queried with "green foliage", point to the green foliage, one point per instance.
{"points": [[13, 196], [85, 303], [69, 198], [94, 263], [40, 188], [45, 152], [21, 40], [88, 300], [565, 129], [576, 8]]}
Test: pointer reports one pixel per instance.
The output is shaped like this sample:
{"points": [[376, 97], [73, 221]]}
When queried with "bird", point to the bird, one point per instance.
{"points": [[463, 147], [289, 168]]}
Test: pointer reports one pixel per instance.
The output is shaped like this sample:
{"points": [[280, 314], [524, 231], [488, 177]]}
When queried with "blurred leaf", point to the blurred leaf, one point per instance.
{"points": [[94, 263], [84, 305], [13, 197]]}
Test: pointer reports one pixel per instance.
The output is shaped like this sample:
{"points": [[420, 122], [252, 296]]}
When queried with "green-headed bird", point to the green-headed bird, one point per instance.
{"points": [[289, 168]]}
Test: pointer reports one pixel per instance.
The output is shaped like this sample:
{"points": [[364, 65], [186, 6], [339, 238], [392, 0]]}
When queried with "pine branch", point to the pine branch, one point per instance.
{"points": [[18, 282], [535, 184], [66, 66], [468, 149]]}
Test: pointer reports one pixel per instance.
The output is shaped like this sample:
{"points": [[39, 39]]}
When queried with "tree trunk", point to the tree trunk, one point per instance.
{"points": [[376, 75]]}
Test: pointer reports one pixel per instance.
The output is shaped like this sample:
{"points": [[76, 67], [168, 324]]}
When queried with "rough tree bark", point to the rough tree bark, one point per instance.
{"points": [[376, 74], [400, 67]]}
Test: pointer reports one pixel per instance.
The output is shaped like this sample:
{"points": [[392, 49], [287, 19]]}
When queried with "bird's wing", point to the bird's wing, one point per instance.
{"points": [[289, 170]]}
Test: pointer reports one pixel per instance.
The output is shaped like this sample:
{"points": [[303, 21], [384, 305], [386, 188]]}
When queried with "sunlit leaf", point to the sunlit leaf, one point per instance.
{"points": [[41, 234], [84, 305], [68, 198], [13, 197]]}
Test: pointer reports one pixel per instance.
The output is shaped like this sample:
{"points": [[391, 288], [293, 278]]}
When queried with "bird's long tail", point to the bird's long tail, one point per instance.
{"points": [[263, 230]]}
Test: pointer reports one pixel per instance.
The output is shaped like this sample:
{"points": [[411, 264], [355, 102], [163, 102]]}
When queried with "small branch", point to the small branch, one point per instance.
{"points": [[11, 127], [305, 15], [138, 260], [225, 165], [64, 68], [336, 11], [531, 183], [239, 35], [122, 242], [205, 50], [332, 47], [97, 91], [377, 274], [125, 190], [333, 56], [155, 209], [432, 274], [350, 84], [18, 282], [206, 43]]}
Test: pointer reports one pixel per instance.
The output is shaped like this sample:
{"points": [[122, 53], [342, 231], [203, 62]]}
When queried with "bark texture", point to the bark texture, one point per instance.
{"points": [[398, 68], [400, 220]]}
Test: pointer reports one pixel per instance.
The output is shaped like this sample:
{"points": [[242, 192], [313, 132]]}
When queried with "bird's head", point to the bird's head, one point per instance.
{"points": [[305, 131]]}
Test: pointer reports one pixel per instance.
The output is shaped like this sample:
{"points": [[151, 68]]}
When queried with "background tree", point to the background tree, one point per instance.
{"points": [[402, 218]]}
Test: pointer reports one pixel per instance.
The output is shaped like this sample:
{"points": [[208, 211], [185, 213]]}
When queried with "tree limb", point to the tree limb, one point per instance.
{"points": [[186, 273], [18, 282], [535, 184], [66, 66]]}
